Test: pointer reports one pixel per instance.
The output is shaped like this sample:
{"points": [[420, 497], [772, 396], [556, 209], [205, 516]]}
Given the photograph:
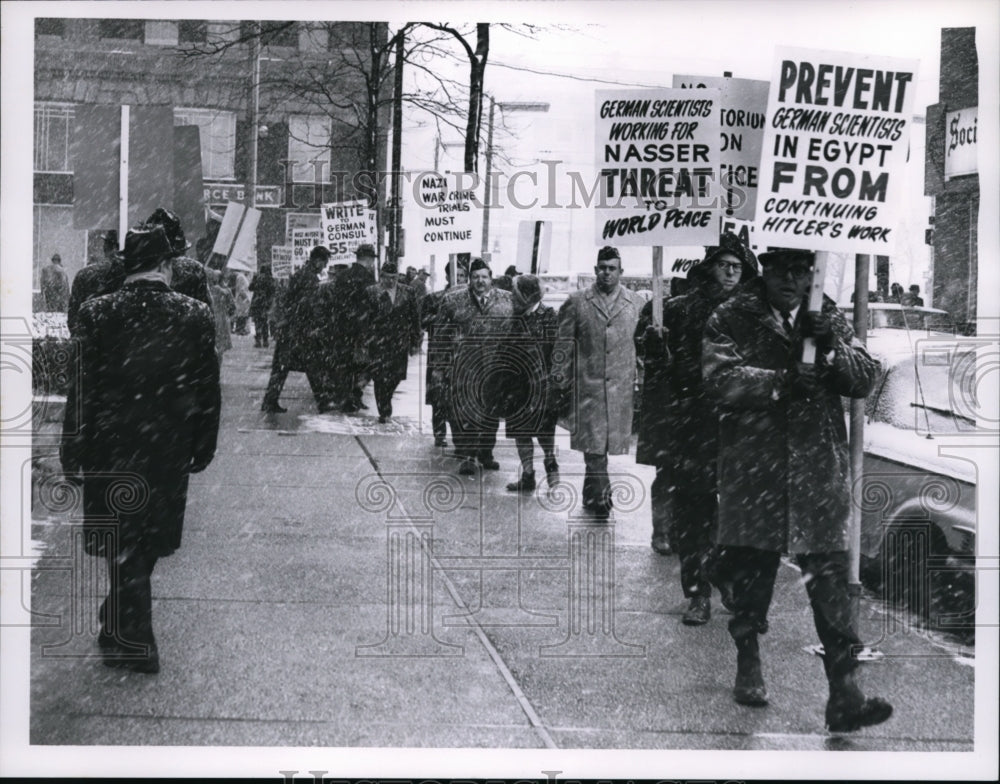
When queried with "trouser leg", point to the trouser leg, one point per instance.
{"points": [[660, 503], [127, 612], [596, 483], [825, 576], [526, 453], [279, 374], [753, 573], [439, 423], [694, 533], [384, 389]]}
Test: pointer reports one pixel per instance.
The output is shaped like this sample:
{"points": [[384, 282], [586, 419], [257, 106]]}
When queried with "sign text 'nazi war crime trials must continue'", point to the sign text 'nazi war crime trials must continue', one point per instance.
{"points": [[658, 158], [835, 147]]}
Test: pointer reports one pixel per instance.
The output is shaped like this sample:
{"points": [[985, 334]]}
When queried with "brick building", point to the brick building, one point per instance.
{"points": [[952, 179], [165, 62]]}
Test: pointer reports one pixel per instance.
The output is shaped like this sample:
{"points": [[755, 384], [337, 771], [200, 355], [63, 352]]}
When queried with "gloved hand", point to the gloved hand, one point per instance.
{"points": [[655, 342], [819, 327], [807, 381]]}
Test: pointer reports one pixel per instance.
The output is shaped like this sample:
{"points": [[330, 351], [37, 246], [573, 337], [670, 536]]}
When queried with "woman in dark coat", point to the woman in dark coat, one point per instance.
{"points": [[527, 359], [678, 431], [141, 417], [262, 288]]}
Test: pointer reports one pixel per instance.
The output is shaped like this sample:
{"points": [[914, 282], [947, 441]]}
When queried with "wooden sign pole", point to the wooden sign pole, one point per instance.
{"points": [[657, 286], [815, 304]]}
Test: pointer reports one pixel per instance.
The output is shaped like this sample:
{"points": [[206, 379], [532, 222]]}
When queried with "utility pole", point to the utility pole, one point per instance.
{"points": [[397, 151]]}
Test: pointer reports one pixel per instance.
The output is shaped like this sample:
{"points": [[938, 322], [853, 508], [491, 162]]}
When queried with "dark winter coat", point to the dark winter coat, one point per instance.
{"points": [[297, 339], [262, 287], [146, 406], [679, 422], [526, 360], [393, 330], [104, 277], [784, 472], [595, 362], [469, 337], [435, 395], [55, 288], [350, 313]]}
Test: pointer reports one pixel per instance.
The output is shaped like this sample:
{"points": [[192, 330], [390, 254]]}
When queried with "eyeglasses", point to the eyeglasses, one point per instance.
{"points": [[729, 266]]}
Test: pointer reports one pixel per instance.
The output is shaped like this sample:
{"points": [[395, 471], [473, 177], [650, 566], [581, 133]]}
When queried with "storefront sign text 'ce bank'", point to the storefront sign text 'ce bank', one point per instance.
{"points": [[218, 193]]}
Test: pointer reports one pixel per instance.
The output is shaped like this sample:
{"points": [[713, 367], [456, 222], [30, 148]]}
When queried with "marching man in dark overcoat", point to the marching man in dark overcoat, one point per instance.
{"points": [[143, 416], [784, 470]]}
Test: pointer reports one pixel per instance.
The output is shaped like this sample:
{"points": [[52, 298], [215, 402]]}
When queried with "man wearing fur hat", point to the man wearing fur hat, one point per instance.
{"points": [[143, 415], [593, 372], [784, 470], [678, 430]]}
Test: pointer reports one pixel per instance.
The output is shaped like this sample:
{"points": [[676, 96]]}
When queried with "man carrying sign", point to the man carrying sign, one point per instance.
{"points": [[784, 471]]}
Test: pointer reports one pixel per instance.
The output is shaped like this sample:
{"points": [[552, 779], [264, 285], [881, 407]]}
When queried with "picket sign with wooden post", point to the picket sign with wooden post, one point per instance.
{"points": [[815, 304], [657, 286], [123, 179]]}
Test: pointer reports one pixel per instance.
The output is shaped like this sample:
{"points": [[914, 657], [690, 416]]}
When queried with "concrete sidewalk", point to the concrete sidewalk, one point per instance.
{"points": [[340, 586]]}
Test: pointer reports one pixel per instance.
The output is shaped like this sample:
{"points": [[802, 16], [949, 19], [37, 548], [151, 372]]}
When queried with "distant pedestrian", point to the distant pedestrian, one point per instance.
{"points": [[223, 308], [438, 355], [55, 286], [896, 293], [679, 423], [142, 417], [472, 323], [393, 334], [784, 470], [529, 410], [594, 372], [295, 346], [912, 298], [242, 297], [262, 289]]}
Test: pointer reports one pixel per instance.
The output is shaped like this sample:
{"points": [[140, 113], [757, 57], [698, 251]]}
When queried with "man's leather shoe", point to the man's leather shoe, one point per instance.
{"points": [[272, 408], [749, 688], [698, 612], [487, 462], [852, 717], [468, 467], [523, 485], [661, 545]]}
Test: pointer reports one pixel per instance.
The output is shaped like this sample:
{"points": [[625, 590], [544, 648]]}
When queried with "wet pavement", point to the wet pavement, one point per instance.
{"points": [[339, 585]]}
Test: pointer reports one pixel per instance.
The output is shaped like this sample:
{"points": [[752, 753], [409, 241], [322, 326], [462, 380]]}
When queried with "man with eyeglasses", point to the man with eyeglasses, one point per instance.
{"points": [[784, 470]]}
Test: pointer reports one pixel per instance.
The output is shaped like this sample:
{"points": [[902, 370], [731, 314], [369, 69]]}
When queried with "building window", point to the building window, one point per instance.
{"points": [[193, 31], [271, 33], [131, 29], [53, 131], [50, 27], [313, 38], [218, 139], [161, 32], [308, 142]]}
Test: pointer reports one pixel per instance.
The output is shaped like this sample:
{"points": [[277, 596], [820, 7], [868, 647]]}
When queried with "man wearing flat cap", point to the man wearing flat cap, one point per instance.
{"points": [[394, 334], [141, 417], [472, 323], [784, 472], [593, 371]]}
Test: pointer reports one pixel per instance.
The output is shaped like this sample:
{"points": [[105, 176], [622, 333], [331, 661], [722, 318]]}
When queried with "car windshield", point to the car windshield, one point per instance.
{"points": [[937, 400]]}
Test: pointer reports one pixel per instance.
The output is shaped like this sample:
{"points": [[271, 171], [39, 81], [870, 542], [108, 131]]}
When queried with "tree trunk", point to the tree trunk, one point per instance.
{"points": [[477, 70]]}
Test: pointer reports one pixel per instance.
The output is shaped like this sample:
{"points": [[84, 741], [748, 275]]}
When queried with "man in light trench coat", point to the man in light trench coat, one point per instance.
{"points": [[593, 371]]}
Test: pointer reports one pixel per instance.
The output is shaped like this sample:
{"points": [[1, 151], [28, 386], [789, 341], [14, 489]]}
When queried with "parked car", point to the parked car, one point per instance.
{"points": [[918, 523]]}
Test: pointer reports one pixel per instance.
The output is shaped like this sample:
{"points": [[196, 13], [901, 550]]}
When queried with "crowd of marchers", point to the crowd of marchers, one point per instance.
{"points": [[747, 440]]}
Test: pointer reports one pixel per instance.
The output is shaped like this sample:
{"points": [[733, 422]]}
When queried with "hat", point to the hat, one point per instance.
{"points": [[478, 264], [606, 253], [512, 271], [787, 256], [366, 250], [172, 226], [423, 271], [319, 252], [58, 258], [145, 247], [730, 243], [388, 268], [527, 290]]}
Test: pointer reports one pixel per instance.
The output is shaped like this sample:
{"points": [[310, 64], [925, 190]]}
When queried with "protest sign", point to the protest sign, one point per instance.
{"points": [[741, 134], [303, 241], [961, 151], [299, 220], [835, 144], [346, 225], [450, 209], [281, 261], [658, 162]]}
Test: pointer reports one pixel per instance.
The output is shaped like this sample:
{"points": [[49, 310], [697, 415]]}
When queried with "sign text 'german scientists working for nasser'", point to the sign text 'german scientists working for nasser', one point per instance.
{"points": [[835, 146], [658, 163]]}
